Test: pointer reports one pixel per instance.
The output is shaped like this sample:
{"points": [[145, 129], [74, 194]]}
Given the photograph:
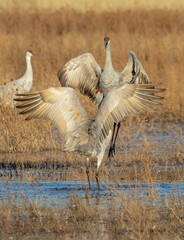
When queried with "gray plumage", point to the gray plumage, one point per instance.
{"points": [[21, 85], [84, 73], [89, 137]]}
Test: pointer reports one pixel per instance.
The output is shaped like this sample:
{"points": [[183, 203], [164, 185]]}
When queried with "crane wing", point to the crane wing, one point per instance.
{"points": [[134, 71], [83, 73], [63, 107], [129, 99]]}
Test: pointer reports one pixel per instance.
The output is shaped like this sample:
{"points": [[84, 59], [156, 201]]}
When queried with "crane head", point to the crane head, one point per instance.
{"points": [[106, 41], [99, 97], [30, 53]]}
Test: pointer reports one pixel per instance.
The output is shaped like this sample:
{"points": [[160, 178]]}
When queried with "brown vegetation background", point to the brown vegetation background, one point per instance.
{"points": [[156, 36], [96, 5]]}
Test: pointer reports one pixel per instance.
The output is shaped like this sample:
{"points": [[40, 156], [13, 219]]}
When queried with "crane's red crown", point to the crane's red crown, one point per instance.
{"points": [[106, 38], [99, 90]]}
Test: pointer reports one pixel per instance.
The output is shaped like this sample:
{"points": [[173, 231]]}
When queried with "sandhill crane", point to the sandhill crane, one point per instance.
{"points": [[89, 137], [21, 85], [84, 73]]}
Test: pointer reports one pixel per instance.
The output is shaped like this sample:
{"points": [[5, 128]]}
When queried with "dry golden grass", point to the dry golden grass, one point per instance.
{"points": [[83, 5], [156, 36], [83, 219]]}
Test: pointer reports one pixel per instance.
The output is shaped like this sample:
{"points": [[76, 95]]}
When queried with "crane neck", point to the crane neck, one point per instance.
{"points": [[29, 70], [108, 62]]}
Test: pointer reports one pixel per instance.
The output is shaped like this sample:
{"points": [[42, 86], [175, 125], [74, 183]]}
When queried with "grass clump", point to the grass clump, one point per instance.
{"points": [[82, 219]]}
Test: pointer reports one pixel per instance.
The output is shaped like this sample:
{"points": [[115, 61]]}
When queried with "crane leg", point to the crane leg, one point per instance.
{"points": [[97, 182], [119, 125], [113, 141], [87, 172]]}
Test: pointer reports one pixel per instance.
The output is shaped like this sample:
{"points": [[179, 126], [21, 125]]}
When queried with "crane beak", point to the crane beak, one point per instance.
{"points": [[105, 43], [30, 51]]}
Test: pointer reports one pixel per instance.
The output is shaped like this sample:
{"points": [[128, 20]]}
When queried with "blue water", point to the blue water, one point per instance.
{"points": [[58, 193]]}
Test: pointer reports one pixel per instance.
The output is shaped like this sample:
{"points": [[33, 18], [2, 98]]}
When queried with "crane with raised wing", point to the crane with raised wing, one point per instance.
{"points": [[84, 73], [89, 137]]}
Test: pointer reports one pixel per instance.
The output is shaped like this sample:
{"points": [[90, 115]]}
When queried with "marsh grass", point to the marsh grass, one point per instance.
{"points": [[82, 5], [138, 156], [82, 219], [156, 36], [55, 37]]}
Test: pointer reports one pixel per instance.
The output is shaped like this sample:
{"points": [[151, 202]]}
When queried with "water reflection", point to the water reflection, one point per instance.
{"points": [[58, 193]]}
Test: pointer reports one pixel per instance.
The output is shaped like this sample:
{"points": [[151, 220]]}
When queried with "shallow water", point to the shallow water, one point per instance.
{"points": [[58, 193]]}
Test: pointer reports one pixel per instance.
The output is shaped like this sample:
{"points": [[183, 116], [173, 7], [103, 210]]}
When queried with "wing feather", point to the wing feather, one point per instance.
{"points": [[63, 107], [129, 99], [134, 71], [83, 73]]}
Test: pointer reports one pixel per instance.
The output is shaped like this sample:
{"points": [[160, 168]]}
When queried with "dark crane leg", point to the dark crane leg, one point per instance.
{"points": [[97, 182], [87, 172], [113, 140]]}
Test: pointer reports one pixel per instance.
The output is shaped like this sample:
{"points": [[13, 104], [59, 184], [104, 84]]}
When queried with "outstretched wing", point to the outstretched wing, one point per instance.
{"points": [[83, 73], [129, 99], [134, 71], [63, 107]]}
